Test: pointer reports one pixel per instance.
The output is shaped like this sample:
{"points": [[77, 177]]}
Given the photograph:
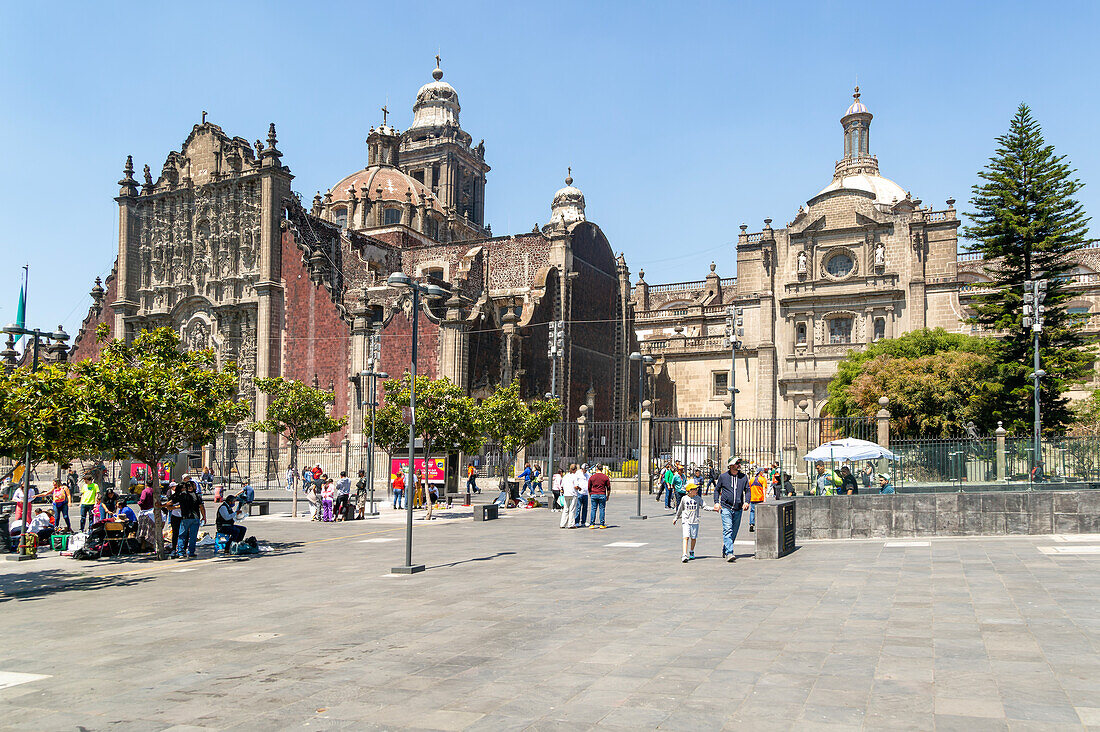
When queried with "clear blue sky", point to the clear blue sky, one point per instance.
{"points": [[681, 120]]}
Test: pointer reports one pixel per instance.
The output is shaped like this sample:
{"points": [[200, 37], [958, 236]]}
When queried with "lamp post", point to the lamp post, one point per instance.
{"points": [[402, 280], [734, 330], [1035, 292], [554, 346], [643, 362], [36, 337], [373, 376]]}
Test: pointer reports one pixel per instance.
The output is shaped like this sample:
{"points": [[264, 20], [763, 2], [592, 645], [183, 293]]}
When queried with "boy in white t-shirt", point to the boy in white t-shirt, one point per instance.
{"points": [[690, 507]]}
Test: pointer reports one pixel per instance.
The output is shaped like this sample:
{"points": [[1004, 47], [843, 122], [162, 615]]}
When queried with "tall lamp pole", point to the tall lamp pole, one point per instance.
{"points": [[1035, 292], [734, 330], [643, 362], [402, 280], [555, 344], [36, 337], [372, 376]]}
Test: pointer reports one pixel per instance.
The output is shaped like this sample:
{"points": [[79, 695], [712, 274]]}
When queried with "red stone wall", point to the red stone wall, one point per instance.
{"points": [[84, 343], [397, 346], [317, 339]]}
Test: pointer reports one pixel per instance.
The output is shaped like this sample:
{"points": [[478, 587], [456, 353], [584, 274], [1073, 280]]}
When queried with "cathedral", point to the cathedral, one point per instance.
{"points": [[219, 247]]}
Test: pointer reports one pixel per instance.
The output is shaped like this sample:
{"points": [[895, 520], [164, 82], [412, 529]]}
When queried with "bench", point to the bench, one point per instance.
{"points": [[259, 508], [486, 512]]}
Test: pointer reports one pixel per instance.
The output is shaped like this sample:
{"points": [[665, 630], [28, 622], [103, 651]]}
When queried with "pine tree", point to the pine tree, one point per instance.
{"points": [[1027, 223]]}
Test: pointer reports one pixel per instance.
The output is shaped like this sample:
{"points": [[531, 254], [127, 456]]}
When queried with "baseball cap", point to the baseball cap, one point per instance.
{"points": [[884, 476], [733, 460]]}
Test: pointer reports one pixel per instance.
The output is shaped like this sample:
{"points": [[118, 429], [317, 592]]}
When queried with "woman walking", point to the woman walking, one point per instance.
{"points": [[569, 493], [399, 490], [60, 495]]}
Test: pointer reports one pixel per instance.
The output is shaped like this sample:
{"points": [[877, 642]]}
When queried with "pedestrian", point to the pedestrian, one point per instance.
{"points": [[758, 486], [192, 511], [60, 497], [689, 509], [313, 495], [569, 493], [328, 495], [432, 498], [848, 485], [866, 475], [361, 495], [399, 489], [786, 486], [599, 490], [712, 476], [581, 485], [555, 488], [536, 480], [526, 476], [663, 478], [885, 486], [730, 500], [471, 479], [823, 483], [175, 515], [679, 480], [343, 495], [291, 478]]}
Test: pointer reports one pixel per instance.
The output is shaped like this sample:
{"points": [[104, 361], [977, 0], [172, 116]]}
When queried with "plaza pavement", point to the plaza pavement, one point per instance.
{"points": [[520, 625]]}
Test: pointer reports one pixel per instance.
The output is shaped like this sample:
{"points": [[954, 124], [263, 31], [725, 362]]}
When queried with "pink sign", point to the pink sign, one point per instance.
{"points": [[141, 472], [435, 473]]}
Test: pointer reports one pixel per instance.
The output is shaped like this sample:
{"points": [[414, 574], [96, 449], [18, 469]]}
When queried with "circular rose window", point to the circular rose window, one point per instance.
{"points": [[840, 265]]}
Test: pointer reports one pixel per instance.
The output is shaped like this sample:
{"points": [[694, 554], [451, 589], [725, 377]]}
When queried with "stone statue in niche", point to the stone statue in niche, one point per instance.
{"points": [[880, 255], [196, 336], [802, 266]]}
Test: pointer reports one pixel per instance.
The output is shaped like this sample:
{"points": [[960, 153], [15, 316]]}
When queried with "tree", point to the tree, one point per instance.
{"points": [[936, 382], [1026, 223], [149, 399], [298, 413], [514, 423], [47, 411], [445, 417]]}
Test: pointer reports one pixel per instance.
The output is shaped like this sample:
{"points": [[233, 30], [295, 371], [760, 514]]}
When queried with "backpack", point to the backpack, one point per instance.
{"points": [[757, 486]]}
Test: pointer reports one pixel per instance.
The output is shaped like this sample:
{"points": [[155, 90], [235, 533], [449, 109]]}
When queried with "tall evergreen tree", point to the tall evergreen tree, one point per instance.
{"points": [[1027, 222]]}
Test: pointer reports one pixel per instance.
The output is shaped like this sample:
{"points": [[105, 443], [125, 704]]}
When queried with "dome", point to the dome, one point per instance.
{"points": [[883, 189], [856, 107], [568, 205], [436, 103], [394, 184]]}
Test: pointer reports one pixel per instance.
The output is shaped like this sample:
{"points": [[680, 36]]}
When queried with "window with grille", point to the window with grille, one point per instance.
{"points": [[840, 330]]}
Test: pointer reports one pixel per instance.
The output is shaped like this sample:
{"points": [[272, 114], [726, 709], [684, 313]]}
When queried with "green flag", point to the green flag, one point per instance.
{"points": [[21, 311]]}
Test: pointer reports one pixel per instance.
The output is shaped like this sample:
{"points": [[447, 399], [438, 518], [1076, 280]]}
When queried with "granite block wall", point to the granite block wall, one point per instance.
{"points": [[948, 514]]}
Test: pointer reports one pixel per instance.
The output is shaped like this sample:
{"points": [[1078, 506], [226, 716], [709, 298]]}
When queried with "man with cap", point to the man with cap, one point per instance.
{"points": [[731, 498], [227, 521]]}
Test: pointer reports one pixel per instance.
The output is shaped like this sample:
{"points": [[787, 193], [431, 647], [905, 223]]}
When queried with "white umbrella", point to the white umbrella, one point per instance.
{"points": [[849, 449]]}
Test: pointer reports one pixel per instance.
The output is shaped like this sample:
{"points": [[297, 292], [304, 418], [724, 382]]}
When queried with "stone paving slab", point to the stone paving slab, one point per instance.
{"points": [[518, 624]]}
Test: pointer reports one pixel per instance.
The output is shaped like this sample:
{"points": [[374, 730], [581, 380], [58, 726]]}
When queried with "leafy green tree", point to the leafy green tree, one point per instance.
{"points": [[45, 410], [943, 380], [1026, 223], [149, 399], [298, 413], [445, 417], [513, 423]]}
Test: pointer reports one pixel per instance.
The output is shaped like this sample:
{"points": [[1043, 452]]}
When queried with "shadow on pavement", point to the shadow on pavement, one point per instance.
{"points": [[35, 585], [473, 559]]}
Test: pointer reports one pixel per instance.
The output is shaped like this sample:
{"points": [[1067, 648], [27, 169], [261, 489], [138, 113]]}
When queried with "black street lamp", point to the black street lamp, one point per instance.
{"points": [[36, 337], [402, 280], [643, 362], [373, 376]]}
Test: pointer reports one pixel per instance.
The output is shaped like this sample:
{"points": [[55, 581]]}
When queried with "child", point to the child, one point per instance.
{"points": [[689, 508], [327, 497]]}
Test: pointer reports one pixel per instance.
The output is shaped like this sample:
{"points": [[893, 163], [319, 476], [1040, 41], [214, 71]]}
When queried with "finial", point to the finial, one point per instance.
{"points": [[712, 266], [385, 114], [569, 176], [641, 275], [204, 116], [271, 135], [128, 168], [744, 227], [767, 223], [855, 94], [438, 73]]}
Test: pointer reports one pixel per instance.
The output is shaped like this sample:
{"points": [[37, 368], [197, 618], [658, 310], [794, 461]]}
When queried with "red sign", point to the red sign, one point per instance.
{"points": [[141, 472], [435, 472]]}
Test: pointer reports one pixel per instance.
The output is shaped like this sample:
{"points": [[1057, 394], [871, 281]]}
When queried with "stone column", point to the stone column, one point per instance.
{"points": [[582, 435], [645, 446], [801, 436], [882, 418], [1000, 457]]}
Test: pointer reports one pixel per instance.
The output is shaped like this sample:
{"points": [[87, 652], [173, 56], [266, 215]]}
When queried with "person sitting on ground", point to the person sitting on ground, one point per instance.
{"points": [[41, 525], [247, 494], [226, 521]]}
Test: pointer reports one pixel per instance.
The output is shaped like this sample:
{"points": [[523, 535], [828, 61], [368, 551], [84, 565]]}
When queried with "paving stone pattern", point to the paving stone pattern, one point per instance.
{"points": [[520, 625]]}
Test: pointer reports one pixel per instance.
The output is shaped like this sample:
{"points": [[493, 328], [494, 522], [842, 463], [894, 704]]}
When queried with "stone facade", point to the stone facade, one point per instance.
{"points": [[220, 248], [862, 260]]}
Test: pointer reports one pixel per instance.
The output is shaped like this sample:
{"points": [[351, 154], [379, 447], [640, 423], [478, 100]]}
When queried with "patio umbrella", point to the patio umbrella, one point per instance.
{"points": [[848, 449]]}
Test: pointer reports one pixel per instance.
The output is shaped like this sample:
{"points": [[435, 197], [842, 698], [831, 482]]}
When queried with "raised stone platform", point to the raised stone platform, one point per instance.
{"points": [[948, 514]]}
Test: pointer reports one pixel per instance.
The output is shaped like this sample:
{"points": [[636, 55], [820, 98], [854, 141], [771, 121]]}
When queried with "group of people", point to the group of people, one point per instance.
{"points": [[733, 495], [676, 481], [848, 482], [329, 500], [576, 490]]}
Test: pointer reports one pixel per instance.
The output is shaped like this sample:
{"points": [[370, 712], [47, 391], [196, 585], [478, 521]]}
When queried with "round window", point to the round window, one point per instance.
{"points": [[839, 265]]}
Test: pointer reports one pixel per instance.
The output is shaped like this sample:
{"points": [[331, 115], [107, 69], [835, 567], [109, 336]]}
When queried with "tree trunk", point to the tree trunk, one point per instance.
{"points": [[294, 465]]}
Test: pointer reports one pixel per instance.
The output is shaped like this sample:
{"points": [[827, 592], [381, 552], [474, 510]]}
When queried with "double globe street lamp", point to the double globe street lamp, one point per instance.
{"points": [[36, 336], [401, 280], [643, 363], [373, 376]]}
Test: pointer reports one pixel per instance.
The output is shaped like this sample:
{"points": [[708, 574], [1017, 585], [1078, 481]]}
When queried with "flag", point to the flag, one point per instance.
{"points": [[21, 311]]}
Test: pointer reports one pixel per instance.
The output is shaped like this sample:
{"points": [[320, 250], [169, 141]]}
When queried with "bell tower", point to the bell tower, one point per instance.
{"points": [[436, 151]]}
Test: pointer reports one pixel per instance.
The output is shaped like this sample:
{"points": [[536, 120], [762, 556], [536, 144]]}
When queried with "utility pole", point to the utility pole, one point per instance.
{"points": [[734, 330], [1035, 293], [555, 344]]}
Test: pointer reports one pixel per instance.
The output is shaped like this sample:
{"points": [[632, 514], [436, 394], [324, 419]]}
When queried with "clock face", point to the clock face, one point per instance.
{"points": [[839, 265]]}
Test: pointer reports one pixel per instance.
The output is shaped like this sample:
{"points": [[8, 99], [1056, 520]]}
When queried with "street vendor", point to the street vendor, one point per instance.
{"points": [[227, 520]]}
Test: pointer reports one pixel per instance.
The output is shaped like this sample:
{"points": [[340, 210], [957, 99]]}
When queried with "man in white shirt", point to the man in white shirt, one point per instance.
{"points": [[581, 515], [343, 495], [569, 492]]}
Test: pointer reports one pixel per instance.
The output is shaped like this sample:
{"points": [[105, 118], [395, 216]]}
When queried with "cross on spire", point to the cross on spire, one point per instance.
{"points": [[385, 114], [437, 60], [204, 116]]}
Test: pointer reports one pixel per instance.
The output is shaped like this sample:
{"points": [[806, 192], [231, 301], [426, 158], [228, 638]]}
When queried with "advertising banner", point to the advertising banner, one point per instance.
{"points": [[434, 473], [140, 471]]}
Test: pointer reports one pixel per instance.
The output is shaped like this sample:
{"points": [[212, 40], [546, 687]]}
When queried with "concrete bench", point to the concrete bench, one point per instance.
{"points": [[486, 512], [259, 508]]}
